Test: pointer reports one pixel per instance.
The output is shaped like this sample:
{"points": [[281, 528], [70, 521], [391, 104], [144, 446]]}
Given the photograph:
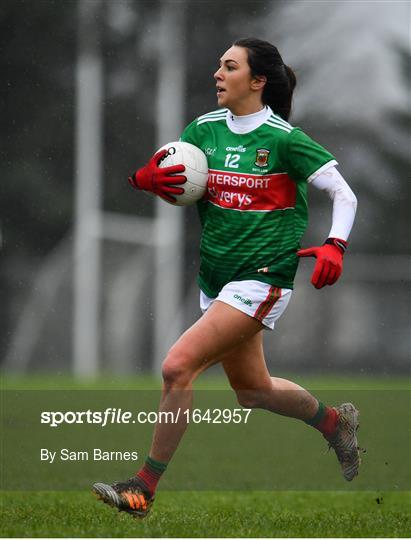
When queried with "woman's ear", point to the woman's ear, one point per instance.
{"points": [[258, 82]]}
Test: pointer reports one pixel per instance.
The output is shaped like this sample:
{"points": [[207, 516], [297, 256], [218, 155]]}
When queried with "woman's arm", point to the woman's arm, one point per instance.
{"points": [[328, 266], [344, 201]]}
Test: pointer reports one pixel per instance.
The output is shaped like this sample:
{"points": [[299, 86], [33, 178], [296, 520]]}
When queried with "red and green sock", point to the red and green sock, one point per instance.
{"points": [[325, 420], [150, 474]]}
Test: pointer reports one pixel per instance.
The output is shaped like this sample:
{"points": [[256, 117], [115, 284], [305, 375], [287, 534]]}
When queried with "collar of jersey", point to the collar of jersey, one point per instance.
{"points": [[248, 122]]}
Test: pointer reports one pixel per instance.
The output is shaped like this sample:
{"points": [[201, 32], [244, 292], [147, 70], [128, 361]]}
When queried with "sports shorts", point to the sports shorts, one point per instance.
{"points": [[264, 302]]}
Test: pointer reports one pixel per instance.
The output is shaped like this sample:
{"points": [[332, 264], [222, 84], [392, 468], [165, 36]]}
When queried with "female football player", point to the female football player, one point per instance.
{"points": [[253, 217]]}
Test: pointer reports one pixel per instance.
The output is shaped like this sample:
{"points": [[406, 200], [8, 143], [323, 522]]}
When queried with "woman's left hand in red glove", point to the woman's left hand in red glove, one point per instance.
{"points": [[329, 264]]}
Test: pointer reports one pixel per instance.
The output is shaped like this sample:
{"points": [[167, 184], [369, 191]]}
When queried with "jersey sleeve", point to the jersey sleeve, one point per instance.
{"points": [[303, 157], [190, 134]]}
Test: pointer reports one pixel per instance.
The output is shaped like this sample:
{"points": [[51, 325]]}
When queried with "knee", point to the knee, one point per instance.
{"points": [[176, 370]]}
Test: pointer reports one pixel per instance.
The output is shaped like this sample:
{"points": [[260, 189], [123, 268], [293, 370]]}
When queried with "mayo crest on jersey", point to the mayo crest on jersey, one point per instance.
{"points": [[254, 212]]}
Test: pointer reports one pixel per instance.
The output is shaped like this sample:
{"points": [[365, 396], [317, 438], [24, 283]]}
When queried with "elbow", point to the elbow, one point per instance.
{"points": [[345, 198], [350, 198], [353, 201]]}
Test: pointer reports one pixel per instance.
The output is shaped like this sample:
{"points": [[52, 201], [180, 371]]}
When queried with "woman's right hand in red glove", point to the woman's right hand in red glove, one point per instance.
{"points": [[161, 181]]}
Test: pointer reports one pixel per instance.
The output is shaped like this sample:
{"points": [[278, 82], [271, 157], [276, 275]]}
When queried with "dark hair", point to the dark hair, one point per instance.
{"points": [[264, 59]]}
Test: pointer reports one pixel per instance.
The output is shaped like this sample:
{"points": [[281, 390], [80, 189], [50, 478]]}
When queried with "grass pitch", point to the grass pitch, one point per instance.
{"points": [[228, 514], [211, 514]]}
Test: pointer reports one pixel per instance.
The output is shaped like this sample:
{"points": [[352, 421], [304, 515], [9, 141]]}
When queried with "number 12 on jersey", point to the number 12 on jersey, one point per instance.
{"points": [[231, 160]]}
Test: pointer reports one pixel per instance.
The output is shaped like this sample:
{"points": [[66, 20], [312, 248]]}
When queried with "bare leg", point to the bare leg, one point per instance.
{"points": [[167, 436], [221, 329], [292, 400], [248, 375]]}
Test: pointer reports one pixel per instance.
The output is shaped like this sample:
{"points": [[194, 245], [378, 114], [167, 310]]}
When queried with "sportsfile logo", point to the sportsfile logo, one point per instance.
{"points": [[245, 301]]}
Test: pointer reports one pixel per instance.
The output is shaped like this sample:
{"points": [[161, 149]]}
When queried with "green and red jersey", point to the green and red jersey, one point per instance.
{"points": [[255, 211]]}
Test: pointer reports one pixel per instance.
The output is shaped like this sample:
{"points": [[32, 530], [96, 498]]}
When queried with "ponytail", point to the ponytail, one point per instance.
{"points": [[265, 60], [282, 100]]}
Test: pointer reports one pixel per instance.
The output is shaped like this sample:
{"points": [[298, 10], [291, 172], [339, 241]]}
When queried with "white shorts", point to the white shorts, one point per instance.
{"points": [[264, 302]]}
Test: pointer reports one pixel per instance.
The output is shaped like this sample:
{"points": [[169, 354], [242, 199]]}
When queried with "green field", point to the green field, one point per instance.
{"points": [[356, 512], [205, 514], [61, 381]]}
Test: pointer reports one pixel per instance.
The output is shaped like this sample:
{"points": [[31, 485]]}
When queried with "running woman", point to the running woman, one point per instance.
{"points": [[253, 217]]}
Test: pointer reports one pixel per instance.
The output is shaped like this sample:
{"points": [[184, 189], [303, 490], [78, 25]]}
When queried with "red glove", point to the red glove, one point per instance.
{"points": [[329, 264], [161, 181]]}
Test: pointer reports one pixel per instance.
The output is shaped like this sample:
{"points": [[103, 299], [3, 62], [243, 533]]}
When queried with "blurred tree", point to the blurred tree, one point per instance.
{"points": [[397, 156], [376, 156], [38, 46], [38, 51], [37, 43]]}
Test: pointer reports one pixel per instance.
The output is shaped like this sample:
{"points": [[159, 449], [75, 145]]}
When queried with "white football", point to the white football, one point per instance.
{"points": [[195, 162]]}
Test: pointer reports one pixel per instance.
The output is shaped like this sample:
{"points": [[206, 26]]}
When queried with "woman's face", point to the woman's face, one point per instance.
{"points": [[235, 85]]}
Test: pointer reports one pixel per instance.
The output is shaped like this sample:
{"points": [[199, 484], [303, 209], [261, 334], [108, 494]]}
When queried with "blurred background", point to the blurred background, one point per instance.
{"points": [[97, 278]]}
